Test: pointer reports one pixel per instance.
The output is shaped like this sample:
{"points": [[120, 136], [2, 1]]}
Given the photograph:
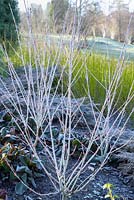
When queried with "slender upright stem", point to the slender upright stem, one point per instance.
{"points": [[63, 196]]}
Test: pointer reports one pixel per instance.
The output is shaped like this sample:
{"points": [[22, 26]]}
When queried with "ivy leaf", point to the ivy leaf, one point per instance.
{"points": [[7, 117], [20, 188], [76, 142], [116, 197], [21, 169], [31, 179], [24, 178], [38, 175], [3, 131]]}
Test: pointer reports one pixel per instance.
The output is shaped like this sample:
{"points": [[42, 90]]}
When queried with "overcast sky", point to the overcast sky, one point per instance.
{"points": [[44, 3], [28, 2]]}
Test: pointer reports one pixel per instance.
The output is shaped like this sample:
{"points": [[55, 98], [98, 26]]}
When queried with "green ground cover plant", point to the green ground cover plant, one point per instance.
{"points": [[109, 195]]}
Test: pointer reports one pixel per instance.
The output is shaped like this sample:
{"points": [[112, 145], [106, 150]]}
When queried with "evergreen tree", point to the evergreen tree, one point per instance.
{"points": [[7, 26]]}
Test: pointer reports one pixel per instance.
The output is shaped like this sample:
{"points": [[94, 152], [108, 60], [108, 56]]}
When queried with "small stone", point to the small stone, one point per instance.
{"points": [[96, 192], [91, 168], [89, 196], [131, 192], [126, 180], [93, 164]]}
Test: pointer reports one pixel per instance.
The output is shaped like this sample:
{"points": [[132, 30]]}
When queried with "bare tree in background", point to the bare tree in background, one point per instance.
{"points": [[121, 16], [87, 15], [37, 19], [56, 12]]}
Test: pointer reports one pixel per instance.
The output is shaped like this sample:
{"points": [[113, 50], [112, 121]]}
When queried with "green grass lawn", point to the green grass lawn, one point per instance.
{"points": [[111, 48], [105, 46]]}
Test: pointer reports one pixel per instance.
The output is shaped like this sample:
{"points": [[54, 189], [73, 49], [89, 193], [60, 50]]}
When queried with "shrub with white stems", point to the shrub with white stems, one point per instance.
{"points": [[34, 97]]}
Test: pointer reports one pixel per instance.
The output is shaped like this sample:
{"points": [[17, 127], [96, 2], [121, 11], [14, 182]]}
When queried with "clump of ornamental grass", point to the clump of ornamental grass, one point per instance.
{"points": [[99, 69], [33, 98]]}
